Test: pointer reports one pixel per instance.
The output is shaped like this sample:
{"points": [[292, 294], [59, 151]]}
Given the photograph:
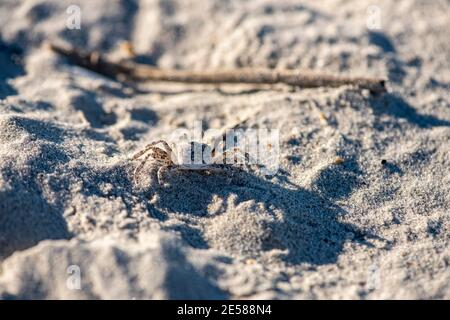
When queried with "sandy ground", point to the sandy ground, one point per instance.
{"points": [[360, 229]]}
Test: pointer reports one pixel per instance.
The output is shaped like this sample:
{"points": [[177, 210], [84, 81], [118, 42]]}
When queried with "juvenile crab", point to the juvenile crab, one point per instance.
{"points": [[185, 157]]}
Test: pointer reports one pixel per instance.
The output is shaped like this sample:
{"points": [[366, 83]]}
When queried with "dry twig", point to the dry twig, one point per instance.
{"points": [[139, 72]]}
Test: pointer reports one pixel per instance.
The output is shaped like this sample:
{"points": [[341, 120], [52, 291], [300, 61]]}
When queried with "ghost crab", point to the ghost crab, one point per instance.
{"points": [[184, 158]]}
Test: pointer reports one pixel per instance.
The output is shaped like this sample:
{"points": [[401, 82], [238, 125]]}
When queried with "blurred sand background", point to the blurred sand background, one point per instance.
{"points": [[319, 229]]}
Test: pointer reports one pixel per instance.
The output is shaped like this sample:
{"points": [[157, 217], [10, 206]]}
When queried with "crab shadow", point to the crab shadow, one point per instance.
{"points": [[305, 225]]}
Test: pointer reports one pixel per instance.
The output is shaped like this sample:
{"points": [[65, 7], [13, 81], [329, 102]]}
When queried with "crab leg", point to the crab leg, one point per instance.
{"points": [[237, 152], [140, 166], [159, 174], [150, 146]]}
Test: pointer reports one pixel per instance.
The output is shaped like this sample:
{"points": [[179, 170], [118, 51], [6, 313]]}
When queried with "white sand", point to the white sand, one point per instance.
{"points": [[356, 230]]}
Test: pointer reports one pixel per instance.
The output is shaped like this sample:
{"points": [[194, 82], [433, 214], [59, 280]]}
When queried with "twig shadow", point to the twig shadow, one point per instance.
{"points": [[394, 105]]}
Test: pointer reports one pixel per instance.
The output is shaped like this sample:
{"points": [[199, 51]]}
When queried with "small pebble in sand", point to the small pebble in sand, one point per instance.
{"points": [[343, 103], [323, 117], [338, 160], [154, 199], [383, 161], [127, 48]]}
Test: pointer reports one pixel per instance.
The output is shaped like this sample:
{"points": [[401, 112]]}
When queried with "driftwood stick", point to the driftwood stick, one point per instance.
{"points": [[139, 72]]}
